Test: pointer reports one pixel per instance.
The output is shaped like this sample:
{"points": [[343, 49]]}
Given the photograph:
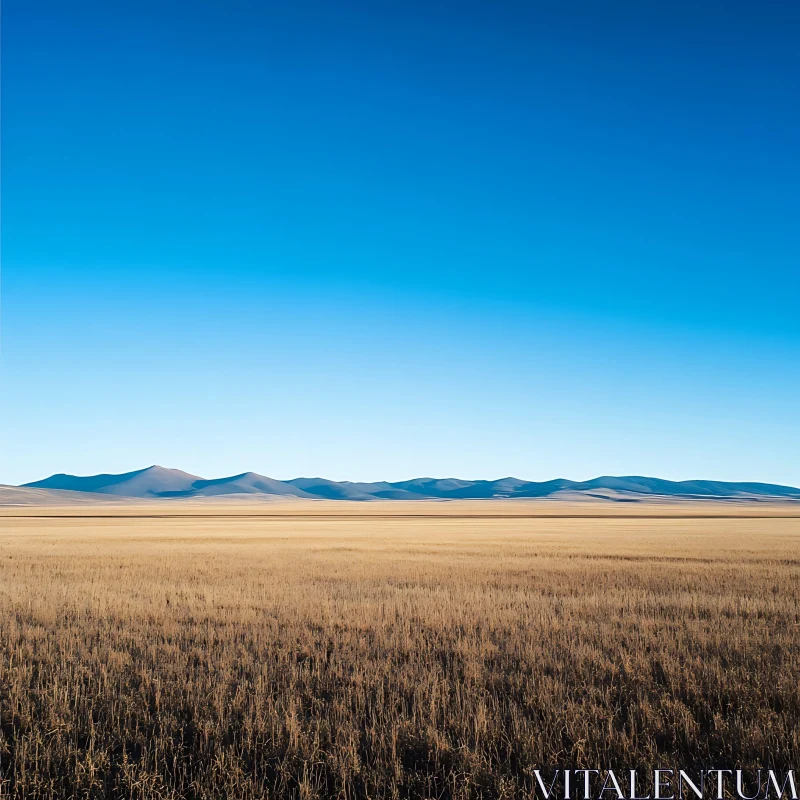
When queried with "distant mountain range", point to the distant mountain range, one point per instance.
{"points": [[160, 483]]}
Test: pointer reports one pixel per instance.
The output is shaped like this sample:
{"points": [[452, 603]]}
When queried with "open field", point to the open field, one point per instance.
{"points": [[391, 650]]}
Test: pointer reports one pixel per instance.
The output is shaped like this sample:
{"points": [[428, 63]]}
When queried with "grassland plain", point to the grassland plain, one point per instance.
{"points": [[430, 650]]}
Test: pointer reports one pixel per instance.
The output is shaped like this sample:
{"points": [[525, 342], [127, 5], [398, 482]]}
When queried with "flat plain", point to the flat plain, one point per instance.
{"points": [[315, 649]]}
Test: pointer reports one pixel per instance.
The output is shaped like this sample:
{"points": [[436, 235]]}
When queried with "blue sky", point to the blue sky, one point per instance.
{"points": [[388, 239]]}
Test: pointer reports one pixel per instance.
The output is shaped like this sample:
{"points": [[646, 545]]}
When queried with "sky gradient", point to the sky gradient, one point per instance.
{"points": [[382, 240]]}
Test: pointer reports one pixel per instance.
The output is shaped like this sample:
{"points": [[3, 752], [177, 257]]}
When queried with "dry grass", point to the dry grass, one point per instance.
{"points": [[358, 655]]}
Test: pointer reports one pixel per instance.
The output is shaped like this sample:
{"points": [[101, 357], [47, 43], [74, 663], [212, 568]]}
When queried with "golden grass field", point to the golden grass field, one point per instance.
{"points": [[390, 650]]}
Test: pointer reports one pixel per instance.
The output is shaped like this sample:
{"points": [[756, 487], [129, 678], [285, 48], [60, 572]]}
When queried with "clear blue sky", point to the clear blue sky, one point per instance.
{"points": [[387, 239]]}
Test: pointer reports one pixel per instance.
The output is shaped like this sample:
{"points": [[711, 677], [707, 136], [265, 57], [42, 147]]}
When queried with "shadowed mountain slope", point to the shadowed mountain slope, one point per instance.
{"points": [[153, 481], [159, 482], [334, 490], [246, 483]]}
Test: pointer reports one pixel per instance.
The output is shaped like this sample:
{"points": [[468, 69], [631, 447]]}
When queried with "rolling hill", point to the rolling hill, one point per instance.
{"points": [[161, 483], [151, 482]]}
